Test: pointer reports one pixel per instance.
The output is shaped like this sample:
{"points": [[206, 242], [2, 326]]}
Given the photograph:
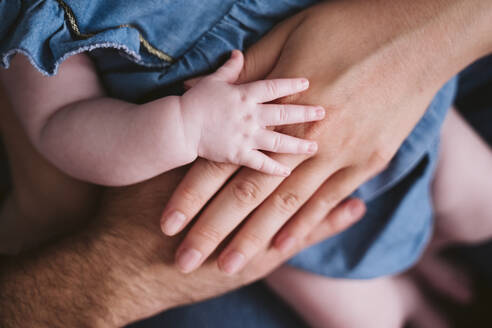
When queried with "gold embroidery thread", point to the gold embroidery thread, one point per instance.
{"points": [[146, 44]]}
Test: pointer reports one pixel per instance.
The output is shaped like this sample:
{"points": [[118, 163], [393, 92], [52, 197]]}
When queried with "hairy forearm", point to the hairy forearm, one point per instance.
{"points": [[82, 281], [116, 270], [111, 142], [60, 287]]}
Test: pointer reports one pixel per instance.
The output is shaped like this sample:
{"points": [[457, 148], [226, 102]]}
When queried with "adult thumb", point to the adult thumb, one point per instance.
{"points": [[261, 58]]}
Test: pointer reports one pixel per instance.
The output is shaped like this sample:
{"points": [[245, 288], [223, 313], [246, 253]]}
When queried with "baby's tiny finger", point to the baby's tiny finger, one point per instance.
{"points": [[268, 90], [273, 114], [229, 72], [281, 143], [261, 162]]}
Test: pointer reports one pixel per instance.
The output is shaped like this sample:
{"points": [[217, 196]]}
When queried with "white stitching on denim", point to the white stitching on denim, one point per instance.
{"points": [[5, 57]]}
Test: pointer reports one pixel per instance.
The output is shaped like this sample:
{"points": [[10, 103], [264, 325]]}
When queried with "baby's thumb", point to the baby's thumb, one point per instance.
{"points": [[229, 72], [188, 84]]}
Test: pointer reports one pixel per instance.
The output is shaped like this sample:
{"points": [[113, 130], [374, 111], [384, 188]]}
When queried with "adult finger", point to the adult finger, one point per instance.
{"points": [[278, 114], [283, 143], [280, 207], [261, 162], [259, 60], [266, 221], [337, 187], [346, 213], [261, 57], [201, 182], [240, 196], [269, 90], [339, 219]]}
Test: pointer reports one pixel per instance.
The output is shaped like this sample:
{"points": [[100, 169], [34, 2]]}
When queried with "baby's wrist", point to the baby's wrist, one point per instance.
{"points": [[191, 127]]}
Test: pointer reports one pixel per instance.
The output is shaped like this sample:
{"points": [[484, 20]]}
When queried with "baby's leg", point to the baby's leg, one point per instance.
{"points": [[463, 184], [387, 302], [43, 202]]}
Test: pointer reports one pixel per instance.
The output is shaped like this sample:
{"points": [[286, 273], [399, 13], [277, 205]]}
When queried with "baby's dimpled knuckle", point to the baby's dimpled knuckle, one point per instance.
{"points": [[245, 191], [248, 117], [242, 95], [246, 136]]}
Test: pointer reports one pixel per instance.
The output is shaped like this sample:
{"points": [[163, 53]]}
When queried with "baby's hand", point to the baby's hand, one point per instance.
{"points": [[228, 122]]}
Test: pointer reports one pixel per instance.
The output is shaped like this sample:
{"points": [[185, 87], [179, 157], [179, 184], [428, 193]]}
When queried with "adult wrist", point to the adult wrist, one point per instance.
{"points": [[462, 34]]}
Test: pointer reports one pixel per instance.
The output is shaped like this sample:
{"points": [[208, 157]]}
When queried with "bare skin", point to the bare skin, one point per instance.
{"points": [[32, 212], [462, 187], [369, 85], [91, 137], [218, 171], [323, 302], [119, 268]]}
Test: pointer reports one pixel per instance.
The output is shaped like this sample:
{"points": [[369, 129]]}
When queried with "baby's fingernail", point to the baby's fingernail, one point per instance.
{"points": [[313, 147], [304, 84], [284, 172], [232, 262], [172, 223], [320, 112], [188, 259]]}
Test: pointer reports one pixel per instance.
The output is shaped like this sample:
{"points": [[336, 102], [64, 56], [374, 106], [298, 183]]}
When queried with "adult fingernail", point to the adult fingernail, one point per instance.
{"points": [[320, 112], [188, 259], [313, 147], [286, 243], [173, 222], [356, 209], [232, 262]]}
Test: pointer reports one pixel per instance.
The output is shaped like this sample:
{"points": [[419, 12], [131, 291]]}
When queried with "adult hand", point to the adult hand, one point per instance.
{"points": [[120, 268], [375, 66]]}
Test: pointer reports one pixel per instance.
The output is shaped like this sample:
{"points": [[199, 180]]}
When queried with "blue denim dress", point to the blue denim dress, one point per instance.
{"points": [[144, 49]]}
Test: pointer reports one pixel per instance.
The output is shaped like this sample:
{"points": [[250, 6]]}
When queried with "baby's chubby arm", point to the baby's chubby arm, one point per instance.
{"points": [[88, 135], [107, 141]]}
